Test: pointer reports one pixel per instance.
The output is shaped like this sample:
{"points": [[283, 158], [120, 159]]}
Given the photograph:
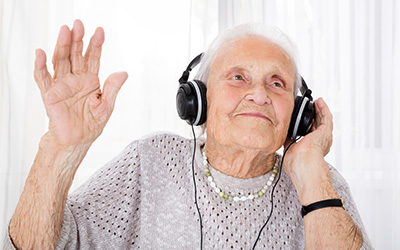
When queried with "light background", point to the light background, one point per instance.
{"points": [[349, 53]]}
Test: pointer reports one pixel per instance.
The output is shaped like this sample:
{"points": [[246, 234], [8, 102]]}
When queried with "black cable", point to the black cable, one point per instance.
{"points": [[195, 190], [272, 193]]}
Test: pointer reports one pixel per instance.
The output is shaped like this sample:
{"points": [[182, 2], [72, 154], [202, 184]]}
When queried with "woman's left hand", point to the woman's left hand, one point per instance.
{"points": [[304, 162], [319, 140]]}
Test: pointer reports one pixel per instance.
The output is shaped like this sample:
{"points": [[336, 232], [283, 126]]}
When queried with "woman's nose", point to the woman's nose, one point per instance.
{"points": [[258, 94]]}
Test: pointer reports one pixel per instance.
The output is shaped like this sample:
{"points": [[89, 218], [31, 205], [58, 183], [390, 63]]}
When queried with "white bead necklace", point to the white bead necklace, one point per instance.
{"points": [[221, 194]]}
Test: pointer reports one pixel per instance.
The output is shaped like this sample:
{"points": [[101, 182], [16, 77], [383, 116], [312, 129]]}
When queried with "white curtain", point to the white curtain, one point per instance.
{"points": [[153, 40], [349, 55]]}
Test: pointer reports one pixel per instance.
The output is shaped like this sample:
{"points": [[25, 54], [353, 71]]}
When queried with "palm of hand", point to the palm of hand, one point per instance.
{"points": [[77, 108], [73, 117]]}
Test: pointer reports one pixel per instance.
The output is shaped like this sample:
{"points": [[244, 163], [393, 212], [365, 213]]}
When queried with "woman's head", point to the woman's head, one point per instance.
{"points": [[251, 81]]}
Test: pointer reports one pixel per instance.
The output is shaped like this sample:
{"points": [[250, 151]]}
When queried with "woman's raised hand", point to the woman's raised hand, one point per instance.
{"points": [[78, 111], [77, 108]]}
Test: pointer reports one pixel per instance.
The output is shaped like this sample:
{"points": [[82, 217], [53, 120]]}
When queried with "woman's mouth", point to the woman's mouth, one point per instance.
{"points": [[255, 115]]}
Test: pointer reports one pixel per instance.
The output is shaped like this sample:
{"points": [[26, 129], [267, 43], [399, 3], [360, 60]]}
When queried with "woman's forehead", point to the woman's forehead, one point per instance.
{"points": [[251, 52]]}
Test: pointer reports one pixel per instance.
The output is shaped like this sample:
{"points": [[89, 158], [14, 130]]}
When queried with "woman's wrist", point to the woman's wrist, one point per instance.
{"points": [[316, 190], [311, 177], [49, 141], [60, 160]]}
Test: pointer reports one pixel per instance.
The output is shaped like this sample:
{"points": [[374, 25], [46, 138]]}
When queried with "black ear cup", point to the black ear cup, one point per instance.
{"points": [[302, 115], [191, 99], [191, 102]]}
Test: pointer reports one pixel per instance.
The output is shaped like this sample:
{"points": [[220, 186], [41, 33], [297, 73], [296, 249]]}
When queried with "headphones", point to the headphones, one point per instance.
{"points": [[191, 99], [191, 103]]}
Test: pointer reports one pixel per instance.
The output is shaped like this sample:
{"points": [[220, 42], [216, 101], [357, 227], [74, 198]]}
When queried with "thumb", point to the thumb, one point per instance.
{"points": [[112, 86]]}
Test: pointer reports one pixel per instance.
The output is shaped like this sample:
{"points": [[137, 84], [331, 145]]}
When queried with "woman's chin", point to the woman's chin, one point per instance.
{"points": [[250, 136], [260, 140]]}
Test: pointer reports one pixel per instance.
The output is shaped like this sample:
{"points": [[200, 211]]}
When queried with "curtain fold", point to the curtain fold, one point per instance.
{"points": [[13, 52]]}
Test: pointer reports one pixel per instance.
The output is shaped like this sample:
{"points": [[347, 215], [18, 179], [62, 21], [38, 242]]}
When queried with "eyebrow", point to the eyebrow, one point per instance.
{"points": [[274, 70], [233, 69]]}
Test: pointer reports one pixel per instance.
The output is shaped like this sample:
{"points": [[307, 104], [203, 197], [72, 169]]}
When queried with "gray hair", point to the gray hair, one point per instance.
{"points": [[270, 33]]}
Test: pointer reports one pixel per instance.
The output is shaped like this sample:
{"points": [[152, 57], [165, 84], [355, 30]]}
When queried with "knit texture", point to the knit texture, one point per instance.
{"points": [[144, 199]]}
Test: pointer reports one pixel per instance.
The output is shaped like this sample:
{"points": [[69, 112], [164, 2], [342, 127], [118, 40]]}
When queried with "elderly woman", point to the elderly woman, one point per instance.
{"points": [[144, 198]]}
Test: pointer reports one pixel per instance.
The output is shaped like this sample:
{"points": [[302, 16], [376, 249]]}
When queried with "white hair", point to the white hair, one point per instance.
{"points": [[270, 33]]}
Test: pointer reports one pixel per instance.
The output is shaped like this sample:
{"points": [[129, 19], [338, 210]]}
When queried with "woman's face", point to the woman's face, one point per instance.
{"points": [[250, 95]]}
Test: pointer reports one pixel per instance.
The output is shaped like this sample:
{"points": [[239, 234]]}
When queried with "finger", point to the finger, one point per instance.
{"points": [[61, 61], [322, 114], [112, 86], [76, 58], [93, 52], [326, 125], [42, 76]]}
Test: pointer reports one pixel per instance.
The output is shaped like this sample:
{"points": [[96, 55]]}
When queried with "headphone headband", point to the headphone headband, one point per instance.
{"points": [[305, 91], [185, 75]]}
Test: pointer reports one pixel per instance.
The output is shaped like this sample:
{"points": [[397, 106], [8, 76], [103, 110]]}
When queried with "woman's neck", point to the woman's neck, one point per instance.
{"points": [[239, 161]]}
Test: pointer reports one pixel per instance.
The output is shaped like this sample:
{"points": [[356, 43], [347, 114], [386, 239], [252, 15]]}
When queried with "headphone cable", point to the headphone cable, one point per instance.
{"points": [[195, 188], [272, 193]]}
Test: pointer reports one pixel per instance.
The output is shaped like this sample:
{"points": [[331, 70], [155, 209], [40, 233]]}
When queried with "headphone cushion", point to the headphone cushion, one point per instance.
{"points": [[306, 119], [202, 109], [302, 117]]}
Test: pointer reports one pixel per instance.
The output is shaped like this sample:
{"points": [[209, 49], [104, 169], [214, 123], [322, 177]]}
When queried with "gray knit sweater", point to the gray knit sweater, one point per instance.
{"points": [[144, 199]]}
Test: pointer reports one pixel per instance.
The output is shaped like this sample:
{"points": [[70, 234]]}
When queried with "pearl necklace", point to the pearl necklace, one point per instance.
{"points": [[221, 194]]}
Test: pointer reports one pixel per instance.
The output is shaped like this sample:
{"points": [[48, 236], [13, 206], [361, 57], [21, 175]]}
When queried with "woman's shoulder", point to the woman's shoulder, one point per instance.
{"points": [[162, 144], [162, 141], [163, 137], [156, 140]]}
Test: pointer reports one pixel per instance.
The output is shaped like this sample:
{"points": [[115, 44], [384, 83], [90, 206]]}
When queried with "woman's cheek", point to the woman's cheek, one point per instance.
{"points": [[215, 126], [284, 115]]}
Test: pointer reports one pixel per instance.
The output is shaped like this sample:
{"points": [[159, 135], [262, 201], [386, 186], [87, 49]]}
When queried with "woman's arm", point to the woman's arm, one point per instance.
{"points": [[37, 219], [78, 110], [331, 227], [326, 228]]}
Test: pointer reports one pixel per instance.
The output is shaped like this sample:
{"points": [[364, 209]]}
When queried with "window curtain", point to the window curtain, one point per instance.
{"points": [[350, 56], [152, 40]]}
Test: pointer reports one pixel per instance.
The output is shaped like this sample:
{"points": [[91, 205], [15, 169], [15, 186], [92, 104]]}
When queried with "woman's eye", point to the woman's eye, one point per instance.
{"points": [[277, 84], [238, 77]]}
